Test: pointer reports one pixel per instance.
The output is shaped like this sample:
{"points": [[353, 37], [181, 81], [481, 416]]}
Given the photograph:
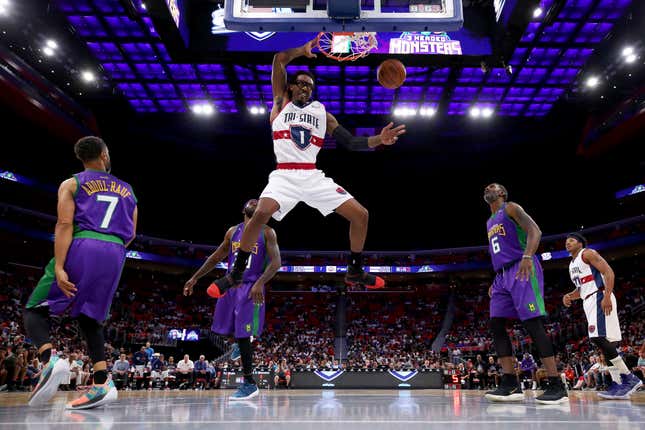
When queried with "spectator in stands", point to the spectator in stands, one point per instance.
{"points": [[283, 377], [170, 373], [149, 351], [482, 372], [185, 372], [120, 372], [493, 373], [640, 366], [140, 359], [33, 372], [3, 370], [528, 366], [201, 371]]}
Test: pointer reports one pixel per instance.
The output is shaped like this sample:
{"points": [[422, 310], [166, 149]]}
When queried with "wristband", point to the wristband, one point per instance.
{"points": [[527, 256]]}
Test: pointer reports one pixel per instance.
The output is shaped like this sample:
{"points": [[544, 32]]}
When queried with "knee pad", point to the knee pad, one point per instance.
{"points": [[607, 348], [93, 332], [501, 340], [535, 328]]}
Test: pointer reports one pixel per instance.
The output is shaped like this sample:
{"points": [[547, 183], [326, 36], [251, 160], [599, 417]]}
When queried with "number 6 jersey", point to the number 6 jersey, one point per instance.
{"points": [[104, 204], [506, 239]]}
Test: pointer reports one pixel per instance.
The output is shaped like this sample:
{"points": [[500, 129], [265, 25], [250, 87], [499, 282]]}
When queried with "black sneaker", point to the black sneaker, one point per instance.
{"points": [[554, 394], [505, 393], [220, 286]]}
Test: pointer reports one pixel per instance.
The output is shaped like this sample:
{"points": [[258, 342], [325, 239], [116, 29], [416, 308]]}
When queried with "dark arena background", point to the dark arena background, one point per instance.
{"points": [[546, 97]]}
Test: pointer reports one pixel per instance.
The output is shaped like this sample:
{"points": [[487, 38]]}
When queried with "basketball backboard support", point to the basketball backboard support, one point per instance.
{"points": [[378, 16]]}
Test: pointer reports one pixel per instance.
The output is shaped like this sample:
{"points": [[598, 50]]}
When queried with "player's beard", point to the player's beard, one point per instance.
{"points": [[491, 196], [249, 212]]}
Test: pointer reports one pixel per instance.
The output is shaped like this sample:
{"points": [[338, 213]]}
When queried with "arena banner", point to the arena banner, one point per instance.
{"points": [[345, 379]]}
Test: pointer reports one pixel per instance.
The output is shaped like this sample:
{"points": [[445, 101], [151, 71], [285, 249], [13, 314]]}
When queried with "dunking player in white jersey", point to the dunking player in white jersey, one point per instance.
{"points": [[594, 281], [299, 127]]}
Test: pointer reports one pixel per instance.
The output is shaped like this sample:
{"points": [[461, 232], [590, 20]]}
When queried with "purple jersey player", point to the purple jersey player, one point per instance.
{"points": [[240, 311], [97, 217], [517, 293]]}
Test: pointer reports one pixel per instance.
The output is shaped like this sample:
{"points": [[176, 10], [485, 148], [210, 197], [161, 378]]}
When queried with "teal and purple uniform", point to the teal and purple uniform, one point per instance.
{"points": [[512, 298], [235, 313], [103, 223]]}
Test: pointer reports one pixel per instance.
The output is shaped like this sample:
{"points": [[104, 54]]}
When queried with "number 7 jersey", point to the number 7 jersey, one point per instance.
{"points": [[506, 239], [104, 204]]}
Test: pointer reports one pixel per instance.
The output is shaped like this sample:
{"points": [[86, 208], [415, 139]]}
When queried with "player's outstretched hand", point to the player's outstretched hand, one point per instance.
{"points": [[68, 288], [256, 294], [188, 286], [309, 46], [566, 300], [390, 134]]}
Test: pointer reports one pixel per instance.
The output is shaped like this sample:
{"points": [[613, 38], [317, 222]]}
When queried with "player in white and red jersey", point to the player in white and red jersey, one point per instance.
{"points": [[594, 281], [299, 127]]}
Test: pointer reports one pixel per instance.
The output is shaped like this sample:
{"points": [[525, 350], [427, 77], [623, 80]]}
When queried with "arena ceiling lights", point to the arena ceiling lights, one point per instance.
{"points": [[546, 64]]}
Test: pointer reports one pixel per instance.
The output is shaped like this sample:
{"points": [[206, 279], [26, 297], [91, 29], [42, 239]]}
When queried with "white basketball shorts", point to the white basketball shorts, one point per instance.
{"points": [[289, 187], [599, 324]]}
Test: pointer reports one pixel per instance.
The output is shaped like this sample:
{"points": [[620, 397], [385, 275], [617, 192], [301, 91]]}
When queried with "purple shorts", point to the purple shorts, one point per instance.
{"points": [[236, 314], [94, 266], [515, 299]]}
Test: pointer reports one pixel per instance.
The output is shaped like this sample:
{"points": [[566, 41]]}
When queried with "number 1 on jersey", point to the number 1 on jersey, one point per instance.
{"points": [[112, 202]]}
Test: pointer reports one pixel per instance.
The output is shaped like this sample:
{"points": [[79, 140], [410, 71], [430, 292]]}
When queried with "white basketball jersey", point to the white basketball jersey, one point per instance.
{"points": [[299, 133], [584, 276]]}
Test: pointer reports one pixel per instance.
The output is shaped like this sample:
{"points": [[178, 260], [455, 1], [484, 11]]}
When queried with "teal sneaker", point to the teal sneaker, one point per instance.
{"points": [[98, 395], [53, 374], [245, 391]]}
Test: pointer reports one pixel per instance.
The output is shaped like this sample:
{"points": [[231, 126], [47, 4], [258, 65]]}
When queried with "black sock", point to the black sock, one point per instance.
{"points": [[100, 376], [555, 381], [45, 355], [356, 261], [509, 379], [240, 261], [247, 359]]}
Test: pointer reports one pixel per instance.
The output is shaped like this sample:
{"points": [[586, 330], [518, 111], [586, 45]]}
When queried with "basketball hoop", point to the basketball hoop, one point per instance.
{"points": [[346, 46]]}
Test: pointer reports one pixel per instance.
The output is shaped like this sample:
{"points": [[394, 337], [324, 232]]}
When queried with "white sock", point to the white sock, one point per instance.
{"points": [[615, 374], [620, 365]]}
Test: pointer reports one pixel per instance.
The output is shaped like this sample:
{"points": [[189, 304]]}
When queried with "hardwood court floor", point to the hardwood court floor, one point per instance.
{"points": [[325, 410]]}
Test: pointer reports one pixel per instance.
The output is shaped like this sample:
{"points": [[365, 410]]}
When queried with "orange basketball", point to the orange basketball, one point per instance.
{"points": [[391, 74]]}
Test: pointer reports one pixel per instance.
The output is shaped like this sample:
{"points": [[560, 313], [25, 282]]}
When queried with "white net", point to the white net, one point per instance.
{"points": [[347, 46]]}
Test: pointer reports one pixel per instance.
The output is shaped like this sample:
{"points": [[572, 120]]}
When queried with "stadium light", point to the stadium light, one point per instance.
{"points": [[427, 112], [143, 6], [592, 81], [4, 7], [475, 112], [257, 110], [630, 58], [51, 43], [537, 12], [88, 76], [627, 51], [204, 109], [487, 112], [48, 51]]}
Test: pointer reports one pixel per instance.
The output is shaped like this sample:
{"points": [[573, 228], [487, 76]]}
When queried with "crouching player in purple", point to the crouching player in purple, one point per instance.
{"points": [[97, 217], [517, 293], [240, 310]]}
